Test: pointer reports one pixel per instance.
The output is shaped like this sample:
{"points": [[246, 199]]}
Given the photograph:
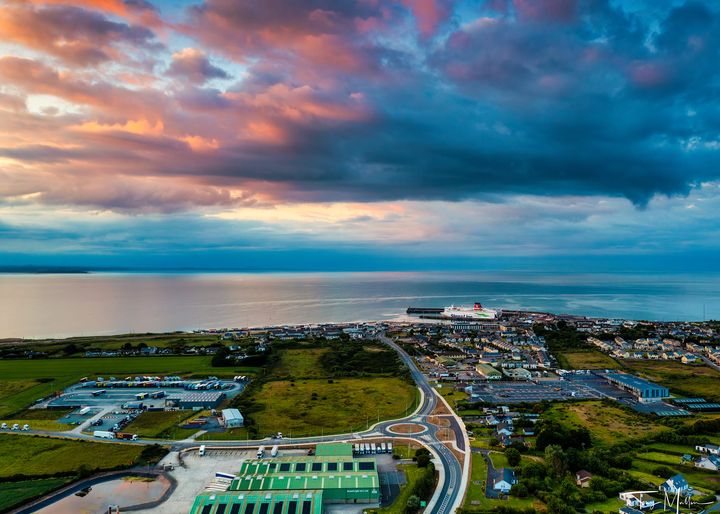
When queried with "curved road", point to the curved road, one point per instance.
{"points": [[450, 488]]}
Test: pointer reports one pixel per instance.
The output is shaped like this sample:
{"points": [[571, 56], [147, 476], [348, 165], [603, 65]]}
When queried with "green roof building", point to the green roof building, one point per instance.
{"points": [[334, 450], [296, 485], [297, 502]]}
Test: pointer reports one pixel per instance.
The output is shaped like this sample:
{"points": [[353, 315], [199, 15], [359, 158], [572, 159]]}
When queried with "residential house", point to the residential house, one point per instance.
{"points": [[638, 500], [582, 478], [708, 448], [505, 480], [677, 483], [710, 462]]}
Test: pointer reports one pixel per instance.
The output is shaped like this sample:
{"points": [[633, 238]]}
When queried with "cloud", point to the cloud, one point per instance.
{"points": [[194, 66], [77, 36], [373, 101]]}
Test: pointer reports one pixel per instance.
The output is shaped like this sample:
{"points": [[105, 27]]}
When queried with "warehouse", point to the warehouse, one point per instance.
{"points": [[517, 373], [488, 372], [643, 390], [232, 418], [208, 400], [305, 502], [332, 470]]}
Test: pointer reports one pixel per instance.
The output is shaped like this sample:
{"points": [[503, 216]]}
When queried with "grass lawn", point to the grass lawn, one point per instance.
{"points": [[161, 424], [475, 497], [405, 450], [345, 405], [591, 359], [607, 423], [674, 449], [300, 363], [40, 419], [233, 434], [708, 481], [476, 484], [499, 460], [15, 493], [43, 456], [610, 505], [452, 395], [413, 473], [18, 393], [680, 378]]}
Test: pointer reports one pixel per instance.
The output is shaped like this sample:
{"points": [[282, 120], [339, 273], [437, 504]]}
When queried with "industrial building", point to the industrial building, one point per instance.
{"points": [[208, 400], [232, 418], [305, 502], [488, 372], [296, 485], [517, 373], [643, 390]]}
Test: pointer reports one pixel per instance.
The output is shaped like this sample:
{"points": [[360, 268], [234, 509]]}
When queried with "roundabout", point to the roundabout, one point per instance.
{"points": [[406, 428]]}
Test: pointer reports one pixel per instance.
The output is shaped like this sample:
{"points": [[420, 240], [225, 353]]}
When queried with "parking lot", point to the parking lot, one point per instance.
{"points": [[83, 395], [519, 392]]}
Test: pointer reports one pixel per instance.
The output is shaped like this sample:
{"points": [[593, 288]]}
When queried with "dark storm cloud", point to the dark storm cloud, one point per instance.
{"points": [[374, 100]]}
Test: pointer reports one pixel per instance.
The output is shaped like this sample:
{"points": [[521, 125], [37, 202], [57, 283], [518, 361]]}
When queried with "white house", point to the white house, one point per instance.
{"points": [[708, 448], [637, 500], [711, 462], [505, 480], [675, 484]]}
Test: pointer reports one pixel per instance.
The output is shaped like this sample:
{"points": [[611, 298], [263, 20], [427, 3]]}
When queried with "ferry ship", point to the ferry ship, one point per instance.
{"points": [[476, 312]]}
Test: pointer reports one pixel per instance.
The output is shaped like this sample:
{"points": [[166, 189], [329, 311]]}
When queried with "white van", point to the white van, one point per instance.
{"points": [[201, 451]]}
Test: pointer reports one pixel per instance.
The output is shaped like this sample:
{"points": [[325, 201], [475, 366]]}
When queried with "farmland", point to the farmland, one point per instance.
{"points": [[311, 407], [590, 359], [161, 424], [14, 493], [300, 396], [607, 423], [680, 378], [43, 456]]}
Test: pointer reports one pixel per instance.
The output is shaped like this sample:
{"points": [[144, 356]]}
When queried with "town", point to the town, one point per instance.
{"points": [[520, 397]]}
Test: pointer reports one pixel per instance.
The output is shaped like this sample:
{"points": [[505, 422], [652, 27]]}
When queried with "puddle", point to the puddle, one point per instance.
{"points": [[118, 491]]}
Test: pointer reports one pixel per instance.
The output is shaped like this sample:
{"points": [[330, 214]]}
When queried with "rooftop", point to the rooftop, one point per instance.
{"points": [[306, 502]]}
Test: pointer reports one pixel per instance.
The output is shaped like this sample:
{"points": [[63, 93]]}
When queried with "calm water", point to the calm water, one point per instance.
{"points": [[114, 492], [106, 303]]}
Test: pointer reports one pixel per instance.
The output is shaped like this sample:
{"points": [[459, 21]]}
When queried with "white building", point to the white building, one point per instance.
{"points": [[232, 418]]}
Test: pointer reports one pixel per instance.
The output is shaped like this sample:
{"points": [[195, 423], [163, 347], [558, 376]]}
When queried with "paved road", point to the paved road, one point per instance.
{"points": [[491, 473], [450, 487]]}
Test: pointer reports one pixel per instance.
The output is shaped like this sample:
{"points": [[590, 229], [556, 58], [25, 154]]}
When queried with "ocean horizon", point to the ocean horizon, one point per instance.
{"points": [[49, 305]]}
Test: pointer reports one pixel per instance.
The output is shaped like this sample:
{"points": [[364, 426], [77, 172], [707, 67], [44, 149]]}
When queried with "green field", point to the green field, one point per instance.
{"points": [[15, 493], [161, 424], [345, 405], [300, 363], [680, 378], [645, 463], [44, 456], [591, 359], [24, 381], [412, 473], [607, 423]]}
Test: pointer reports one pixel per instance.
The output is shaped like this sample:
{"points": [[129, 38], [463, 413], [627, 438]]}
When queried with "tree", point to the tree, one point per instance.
{"points": [[70, 349], [513, 456], [422, 460], [413, 504], [555, 458], [663, 471]]}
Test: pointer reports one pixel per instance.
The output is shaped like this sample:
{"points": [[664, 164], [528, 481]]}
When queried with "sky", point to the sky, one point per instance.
{"points": [[372, 134]]}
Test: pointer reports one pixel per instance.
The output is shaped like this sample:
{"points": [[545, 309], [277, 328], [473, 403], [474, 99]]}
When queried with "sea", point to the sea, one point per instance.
{"points": [[63, 305]]}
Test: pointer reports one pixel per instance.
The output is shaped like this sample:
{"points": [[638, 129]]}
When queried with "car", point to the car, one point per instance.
{"points": [[26, 427], [3, 426], [15, 427]]}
